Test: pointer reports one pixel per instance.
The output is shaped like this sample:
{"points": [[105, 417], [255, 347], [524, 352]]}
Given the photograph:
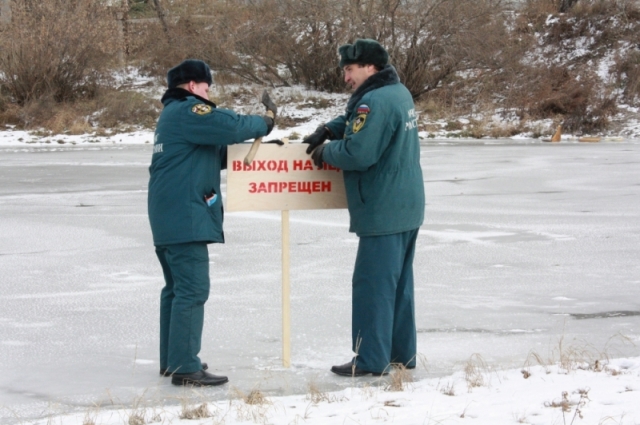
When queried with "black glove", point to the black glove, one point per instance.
{"points": [[276, 141], [317, 156], [269, 121], [268, 103], [317, 138]]}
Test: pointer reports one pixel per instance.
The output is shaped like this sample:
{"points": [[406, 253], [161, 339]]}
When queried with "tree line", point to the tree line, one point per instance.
{"points": [[455, 55]]}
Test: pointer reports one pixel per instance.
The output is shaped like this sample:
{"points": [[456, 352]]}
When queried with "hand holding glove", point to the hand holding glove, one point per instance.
{"points": [[272, 109], [317, 138]]}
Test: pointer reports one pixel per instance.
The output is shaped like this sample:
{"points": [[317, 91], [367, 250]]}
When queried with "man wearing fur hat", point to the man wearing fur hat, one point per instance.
{"points": [[185, 209], [376, 145]]}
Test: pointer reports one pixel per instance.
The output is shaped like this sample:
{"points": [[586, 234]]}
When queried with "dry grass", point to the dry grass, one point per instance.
{"points": [[422, 362], [284, 121], [139, 414], [190, 411], [577, 355], [66, 120], [476, 372], [122, 109], [9, 112], [563, 403], [295, 136], [455, 57], [399, 377], [627, 71], [316, 396], [91, 415], [567, 405], [137, 418], [57, 49], [318, 102], [115, 111], [256, 397], [254, 407], [448, 389], [194, 405]]}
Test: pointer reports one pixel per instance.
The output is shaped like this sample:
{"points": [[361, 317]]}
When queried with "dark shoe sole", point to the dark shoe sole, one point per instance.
{"points": [[356, 373], [198, 383]]}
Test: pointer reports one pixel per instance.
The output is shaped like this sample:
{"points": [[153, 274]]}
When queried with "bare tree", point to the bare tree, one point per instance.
{"points": [[5, 11], [56, 49], [432, 40], [161, 17], [565, 5]]}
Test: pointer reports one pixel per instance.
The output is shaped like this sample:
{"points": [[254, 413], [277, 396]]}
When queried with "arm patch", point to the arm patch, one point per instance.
{"points": [[201, 109], [359, 122], [362, 111]]}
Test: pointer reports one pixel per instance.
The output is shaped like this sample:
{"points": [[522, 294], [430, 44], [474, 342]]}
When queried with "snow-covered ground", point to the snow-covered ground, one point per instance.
{"points": [[528, 255], [532, 395]]}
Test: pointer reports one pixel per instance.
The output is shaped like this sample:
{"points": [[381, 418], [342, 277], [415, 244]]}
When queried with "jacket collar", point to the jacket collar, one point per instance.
{"points": [[385, 77], [181, 94]]}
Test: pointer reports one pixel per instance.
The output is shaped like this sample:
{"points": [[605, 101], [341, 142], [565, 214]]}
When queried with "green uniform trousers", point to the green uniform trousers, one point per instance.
{"points": [[383, 310], [186, 275]]}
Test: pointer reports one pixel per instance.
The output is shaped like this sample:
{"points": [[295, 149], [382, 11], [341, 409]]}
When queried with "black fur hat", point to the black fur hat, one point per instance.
{"points": [[364, 52], [189, 70]]}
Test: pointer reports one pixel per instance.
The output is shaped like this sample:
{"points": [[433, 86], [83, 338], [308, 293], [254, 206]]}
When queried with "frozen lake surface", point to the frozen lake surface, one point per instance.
{"points": [[525, 246]]}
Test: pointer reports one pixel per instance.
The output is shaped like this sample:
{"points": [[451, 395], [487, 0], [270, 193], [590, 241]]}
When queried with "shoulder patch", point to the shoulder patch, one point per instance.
{"points": [[359, 122], [201, 109], [363, 109]]}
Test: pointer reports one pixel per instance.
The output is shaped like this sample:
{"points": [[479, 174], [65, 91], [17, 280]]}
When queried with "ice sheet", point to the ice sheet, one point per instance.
{"points": [[524, 246]]}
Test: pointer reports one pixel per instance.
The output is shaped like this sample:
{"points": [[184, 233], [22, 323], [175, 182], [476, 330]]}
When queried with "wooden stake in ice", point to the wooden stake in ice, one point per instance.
{"points": [[286, 305]]}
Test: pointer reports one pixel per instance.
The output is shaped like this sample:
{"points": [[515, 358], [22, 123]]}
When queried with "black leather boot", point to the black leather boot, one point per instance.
{"points": [[198, 379], [349, 369]]}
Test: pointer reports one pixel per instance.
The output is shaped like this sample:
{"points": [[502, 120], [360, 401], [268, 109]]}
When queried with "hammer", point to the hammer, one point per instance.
{"points": [[271, 112]]}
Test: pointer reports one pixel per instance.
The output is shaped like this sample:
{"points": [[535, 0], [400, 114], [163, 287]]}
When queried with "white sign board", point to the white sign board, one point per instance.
{"points": [[281, 178]]}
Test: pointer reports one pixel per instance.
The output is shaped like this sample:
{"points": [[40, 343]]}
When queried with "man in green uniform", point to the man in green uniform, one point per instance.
{"points": [[185, 209], [376, 145]]}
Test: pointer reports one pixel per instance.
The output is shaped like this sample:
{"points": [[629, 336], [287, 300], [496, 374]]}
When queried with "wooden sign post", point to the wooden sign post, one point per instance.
{"points": [[282, 178], [286, 291]]}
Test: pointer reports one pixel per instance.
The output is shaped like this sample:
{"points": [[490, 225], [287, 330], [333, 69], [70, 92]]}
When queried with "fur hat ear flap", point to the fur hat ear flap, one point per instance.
{"points": [[364, 52], [189, 70]]}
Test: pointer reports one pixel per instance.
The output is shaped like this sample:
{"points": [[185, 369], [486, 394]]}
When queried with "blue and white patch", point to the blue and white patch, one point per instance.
{"points": [[363, 109]]}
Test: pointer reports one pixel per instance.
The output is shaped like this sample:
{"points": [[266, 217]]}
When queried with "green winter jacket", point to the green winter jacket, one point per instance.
{"points": [[189, 150], [377, 148]]}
